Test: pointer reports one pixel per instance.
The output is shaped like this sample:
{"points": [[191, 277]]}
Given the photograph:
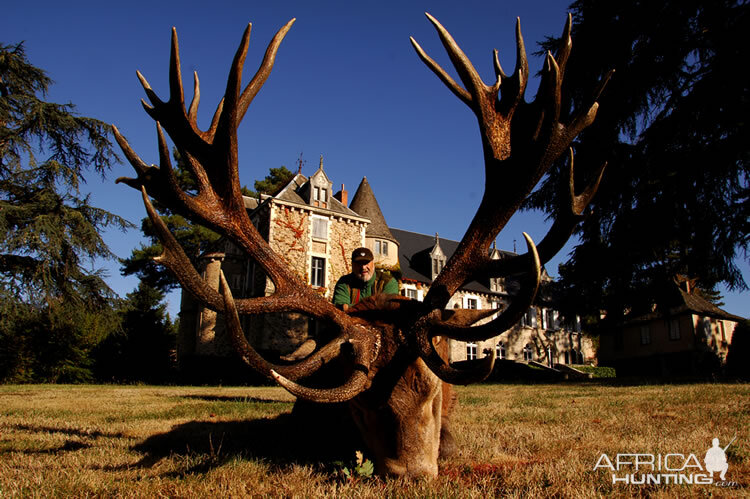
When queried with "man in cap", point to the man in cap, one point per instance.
{"points": [[363, 281]]}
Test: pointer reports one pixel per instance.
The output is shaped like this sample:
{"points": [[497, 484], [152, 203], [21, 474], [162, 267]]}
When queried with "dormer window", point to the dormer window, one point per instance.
{"points": [[319, 188], [438, 258], [320, 197], [437, 266]]}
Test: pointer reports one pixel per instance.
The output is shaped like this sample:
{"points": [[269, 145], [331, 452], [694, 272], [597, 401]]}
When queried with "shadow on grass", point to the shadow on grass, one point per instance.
{"points": [[68, 446], [80, 439], [281, 441], [73, 432], [227, 398]]}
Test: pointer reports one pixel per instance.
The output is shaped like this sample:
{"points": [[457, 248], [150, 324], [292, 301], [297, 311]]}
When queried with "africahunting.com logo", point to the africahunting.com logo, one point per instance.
{"points": [[670, 468]]}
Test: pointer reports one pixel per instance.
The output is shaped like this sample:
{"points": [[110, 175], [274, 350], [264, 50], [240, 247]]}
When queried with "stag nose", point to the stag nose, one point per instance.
{"points": [[411, 469]]}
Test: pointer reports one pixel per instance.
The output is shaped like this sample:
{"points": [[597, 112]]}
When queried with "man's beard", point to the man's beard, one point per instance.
{"points": [[364, 276]]}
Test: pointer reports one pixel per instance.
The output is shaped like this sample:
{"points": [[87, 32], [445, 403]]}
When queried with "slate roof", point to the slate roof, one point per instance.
{"points": [[293, 191], [414, 258], [250, 203], [366, 205], [677, 301]]}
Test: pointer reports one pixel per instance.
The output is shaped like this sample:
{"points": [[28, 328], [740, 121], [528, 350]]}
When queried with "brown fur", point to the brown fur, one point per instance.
{"points": [[404, 416]]}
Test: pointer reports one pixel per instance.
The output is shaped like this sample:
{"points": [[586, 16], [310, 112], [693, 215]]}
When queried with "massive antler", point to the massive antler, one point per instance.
{"points": [[520, 142], [211, 156]]}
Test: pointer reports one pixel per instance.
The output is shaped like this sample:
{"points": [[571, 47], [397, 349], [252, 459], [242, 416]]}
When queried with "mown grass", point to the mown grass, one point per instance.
{"points": [[515, 441]]}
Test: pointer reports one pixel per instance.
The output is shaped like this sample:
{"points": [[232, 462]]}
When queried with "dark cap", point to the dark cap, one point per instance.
{"points": [[362, 255]]}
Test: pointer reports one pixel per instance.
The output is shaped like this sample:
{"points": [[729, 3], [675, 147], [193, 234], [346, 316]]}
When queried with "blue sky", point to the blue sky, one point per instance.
{"points": [[347, 84]]}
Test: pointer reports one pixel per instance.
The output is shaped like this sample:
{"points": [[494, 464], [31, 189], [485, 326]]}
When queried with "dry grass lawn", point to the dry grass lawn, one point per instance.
{"points": [[516, 441]]}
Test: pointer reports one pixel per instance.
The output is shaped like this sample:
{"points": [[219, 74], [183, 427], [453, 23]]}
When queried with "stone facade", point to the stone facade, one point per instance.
{"points": [[312, 231], [684, 334], [549, 343], [540, 336]]}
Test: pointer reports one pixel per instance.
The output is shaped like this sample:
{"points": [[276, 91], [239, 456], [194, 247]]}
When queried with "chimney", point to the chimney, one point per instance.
{"points": [[342, 196]]}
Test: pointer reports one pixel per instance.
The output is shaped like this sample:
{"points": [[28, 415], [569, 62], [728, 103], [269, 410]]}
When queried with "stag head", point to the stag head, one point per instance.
{"points": [[396, 380]]}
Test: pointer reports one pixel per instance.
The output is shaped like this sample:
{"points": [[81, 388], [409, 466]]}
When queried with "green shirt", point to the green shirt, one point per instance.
{"points": [[350, 290]]}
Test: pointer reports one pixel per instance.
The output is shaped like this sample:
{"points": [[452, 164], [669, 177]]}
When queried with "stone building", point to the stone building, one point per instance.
{"points": [[683, 334], [540, 336], [315, 231]]}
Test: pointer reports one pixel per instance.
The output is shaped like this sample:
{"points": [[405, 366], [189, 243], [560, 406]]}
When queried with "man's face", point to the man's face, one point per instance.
{"points": [[363, 270]]}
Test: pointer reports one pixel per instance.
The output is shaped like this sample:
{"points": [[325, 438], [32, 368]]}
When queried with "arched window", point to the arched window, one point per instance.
{"points": [[577, 357], [500, 350], [528, 352]]}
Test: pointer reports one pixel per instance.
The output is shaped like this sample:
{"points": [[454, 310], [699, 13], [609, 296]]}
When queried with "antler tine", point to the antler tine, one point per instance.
{"points": [[502, 322], [155, 101], [499, 73], [583, 120], [228, 122], [175, 259], [466, 71], [307, 366], [140, 166], [356, 384], [252, 88], [581, 201], [215, 120], [225, 178], [513, 163], [475, 373], [559, 233], [514, 87], [566, 44], [550, 90], [521, 72], [428, 328], [176, 92], [193, 111], [169, 179], [449, 82], [218, 204]]}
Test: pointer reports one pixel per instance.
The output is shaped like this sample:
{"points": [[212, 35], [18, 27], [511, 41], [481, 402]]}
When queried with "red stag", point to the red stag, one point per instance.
{"points": [[397, 382]]}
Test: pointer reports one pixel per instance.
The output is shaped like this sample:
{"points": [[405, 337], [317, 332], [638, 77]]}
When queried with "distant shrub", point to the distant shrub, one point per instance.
{"points": [[598, 371]]}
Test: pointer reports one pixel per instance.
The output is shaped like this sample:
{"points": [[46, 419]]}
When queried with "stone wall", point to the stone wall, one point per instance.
{"points": [[290, 231], [517, 338], [389, 261], [289, 237], [344, 237]]}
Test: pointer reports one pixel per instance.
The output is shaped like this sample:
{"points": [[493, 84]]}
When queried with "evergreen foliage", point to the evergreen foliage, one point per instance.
{"points": [[675, 199], [54, 306], [276, 179], [194, 238], [143, 350]]}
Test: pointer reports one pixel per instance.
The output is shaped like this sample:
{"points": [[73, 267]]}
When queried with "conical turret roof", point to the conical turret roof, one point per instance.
{"points": [[365, 204]]}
